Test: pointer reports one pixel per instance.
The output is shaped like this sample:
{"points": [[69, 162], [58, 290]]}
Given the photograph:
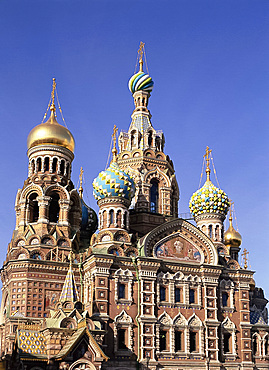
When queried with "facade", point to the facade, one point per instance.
{"points": [[147, 289]]}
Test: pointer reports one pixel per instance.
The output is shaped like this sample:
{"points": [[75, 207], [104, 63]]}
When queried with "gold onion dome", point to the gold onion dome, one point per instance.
{"points": [[51, 132], [231, 236]]}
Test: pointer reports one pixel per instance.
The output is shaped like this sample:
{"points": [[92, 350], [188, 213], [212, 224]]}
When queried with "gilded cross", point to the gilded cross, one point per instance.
{"points": [[140, 53], [245, 258], [80, 182], [115, 130], [206, 156], [53, 94]]}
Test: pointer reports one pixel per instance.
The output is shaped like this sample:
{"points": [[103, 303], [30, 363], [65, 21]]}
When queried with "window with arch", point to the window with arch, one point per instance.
{"points": [[33, 166], [150, 138], [38, 164], [46, 164], [111, 217], [33, 208], [123, 332], [154, 195], [132, 139], [54, 164], [62, 167], [54, 208]]}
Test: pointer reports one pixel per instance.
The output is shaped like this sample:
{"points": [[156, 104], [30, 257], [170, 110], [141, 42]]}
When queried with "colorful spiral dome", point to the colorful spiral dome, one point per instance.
{"points": [[113, 182], [140, 81], [209, 199]]}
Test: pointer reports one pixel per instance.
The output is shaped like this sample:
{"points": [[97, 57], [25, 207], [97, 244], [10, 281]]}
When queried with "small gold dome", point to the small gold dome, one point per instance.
{"points": [[231, 236], [51, 133]]}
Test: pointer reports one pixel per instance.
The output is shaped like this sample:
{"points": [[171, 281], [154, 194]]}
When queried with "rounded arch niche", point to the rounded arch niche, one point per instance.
{"points": [[179, 240]]}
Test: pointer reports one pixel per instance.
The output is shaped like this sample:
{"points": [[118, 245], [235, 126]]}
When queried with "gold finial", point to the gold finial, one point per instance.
{"points": [[245, 258], [114, 150], [80, 182], [52, 106], [207, 158], [140, 52]]}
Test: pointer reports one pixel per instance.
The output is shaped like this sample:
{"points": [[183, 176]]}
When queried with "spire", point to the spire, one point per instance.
{"points": [[207, 158], [52, 105], [114, 150], [140, 53], [80, 190], [69, 292]]}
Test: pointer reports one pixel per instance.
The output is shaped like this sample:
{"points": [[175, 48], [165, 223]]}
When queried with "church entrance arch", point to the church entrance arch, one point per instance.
{"points": [[82, 365]]}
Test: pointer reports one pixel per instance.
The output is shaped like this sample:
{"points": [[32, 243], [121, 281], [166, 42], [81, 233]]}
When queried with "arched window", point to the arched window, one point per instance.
{"points": [[132, 139], [162, 293], [38, 164], [225, 297], [119, 218], [54, 208], [33, 166], [150, 138], [154, 196], [67, 170], [111, 217], [33, 208], [46, 164], [226, 342], [62, 167], [193, 341], [121, 293], [125, 220], [255, 345], [54, 164]]}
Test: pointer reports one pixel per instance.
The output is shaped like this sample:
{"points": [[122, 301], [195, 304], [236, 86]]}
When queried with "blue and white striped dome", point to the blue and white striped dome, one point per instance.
{"points": [[140, 81], [113, 182]]}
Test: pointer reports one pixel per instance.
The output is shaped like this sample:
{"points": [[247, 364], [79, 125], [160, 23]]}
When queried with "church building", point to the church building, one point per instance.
{"points": [[134, 287]]}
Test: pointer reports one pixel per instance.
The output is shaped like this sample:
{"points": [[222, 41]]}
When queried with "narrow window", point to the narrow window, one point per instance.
{"points": [[54, 208], [191, 296], [38, 164], [62, 167], [121, 292], [154, 195], [67, 170], [54, 165], [177, 295], [178, 341], [33, 166], [33, 208], [163, 340], [46, 164], [162, 293], [118, 218], [150, 138], [225, 298], [125, 220], [226, 342], [121, 339], [193, 335], [111, 217]]}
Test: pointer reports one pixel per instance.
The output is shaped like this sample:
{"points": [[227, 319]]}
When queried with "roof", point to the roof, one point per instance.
{"points": [[31, 343]]}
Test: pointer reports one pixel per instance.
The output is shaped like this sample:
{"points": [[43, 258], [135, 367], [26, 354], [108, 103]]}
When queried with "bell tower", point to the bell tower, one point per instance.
{"points": [[48, 221], [141, 154]]}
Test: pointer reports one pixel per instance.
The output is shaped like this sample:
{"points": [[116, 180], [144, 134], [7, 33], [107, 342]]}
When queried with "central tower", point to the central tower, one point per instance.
{"points": [[141, 155]]}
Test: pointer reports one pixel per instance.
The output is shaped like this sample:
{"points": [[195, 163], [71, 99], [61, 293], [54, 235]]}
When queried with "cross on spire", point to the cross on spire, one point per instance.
{"points": [[140, 53], [80, 182], [245, 258], [207, 158], [114, 150], [52, 106]]}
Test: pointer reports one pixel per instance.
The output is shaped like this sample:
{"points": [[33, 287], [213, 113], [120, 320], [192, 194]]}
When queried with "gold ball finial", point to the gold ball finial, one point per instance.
{"points": [[231, 236]]}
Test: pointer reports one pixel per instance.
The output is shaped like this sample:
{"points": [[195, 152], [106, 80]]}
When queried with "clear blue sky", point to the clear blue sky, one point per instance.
{"points": [[209, 60]]}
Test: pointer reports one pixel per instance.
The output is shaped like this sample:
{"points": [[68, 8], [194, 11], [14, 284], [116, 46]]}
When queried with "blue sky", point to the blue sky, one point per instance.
{"points": [[209, 61]]}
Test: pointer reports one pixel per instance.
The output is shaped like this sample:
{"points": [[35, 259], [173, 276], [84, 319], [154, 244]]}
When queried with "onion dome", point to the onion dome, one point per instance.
{"points": [[140, 81], [231, 236], [51, 132], [113, 182], [209, 198]]}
